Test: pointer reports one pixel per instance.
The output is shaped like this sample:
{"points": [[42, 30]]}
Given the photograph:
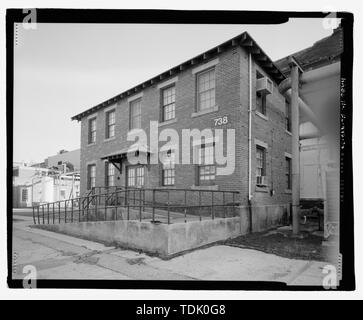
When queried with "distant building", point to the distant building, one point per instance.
{"points": [[223, 83], [66, 157], [57, 178]]}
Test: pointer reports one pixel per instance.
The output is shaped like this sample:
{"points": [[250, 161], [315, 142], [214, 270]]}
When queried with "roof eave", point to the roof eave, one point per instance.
{"points": [[243, 40]]}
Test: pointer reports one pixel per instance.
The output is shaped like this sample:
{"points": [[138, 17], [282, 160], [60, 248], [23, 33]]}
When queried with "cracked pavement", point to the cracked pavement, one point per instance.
{"points": [[58, 256]]}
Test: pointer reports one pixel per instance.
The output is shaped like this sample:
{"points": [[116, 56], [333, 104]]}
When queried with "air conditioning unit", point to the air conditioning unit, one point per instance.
{"points": [[264, 86], [261, 181]]}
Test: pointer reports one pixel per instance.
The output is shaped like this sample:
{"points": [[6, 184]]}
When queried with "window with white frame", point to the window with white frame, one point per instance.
{"points": [[135, 114], [92, 130], [110, 174], [206, 167], [91, 176], [288, 172], [110, 123], [206, 90], [260, 163], [135, 176], [168, 169], [168, 103], [260, 98]]}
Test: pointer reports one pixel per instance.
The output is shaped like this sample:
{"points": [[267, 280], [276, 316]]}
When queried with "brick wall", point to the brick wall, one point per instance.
{"points": [[232, 100]]}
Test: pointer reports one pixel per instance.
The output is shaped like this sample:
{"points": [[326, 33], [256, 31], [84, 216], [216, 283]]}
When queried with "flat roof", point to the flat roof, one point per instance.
{"points": [[243, 40]]}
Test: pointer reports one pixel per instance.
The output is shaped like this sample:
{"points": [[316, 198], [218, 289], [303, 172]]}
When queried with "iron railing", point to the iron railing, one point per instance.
{"points": [[154, 205]]}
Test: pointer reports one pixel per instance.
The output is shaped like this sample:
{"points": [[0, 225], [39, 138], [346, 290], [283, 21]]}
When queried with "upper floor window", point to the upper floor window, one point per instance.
{"points": [[91, 176], [110, 174], [168, 170], [168, 103], [206, 168], [135, 114], [288, 172], [92, 130], [110, 124], [261, 103], [260, 98], [206, 90], [288, 116]]}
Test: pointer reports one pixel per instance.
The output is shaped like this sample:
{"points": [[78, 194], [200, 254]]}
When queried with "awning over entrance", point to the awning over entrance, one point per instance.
{"points": [[117, 157]]}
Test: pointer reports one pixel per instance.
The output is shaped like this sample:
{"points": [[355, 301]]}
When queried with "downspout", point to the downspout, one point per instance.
{"points": [[250, 140]]}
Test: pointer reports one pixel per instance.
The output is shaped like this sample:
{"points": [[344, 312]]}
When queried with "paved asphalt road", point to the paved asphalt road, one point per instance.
{"points": [[58, 256]]}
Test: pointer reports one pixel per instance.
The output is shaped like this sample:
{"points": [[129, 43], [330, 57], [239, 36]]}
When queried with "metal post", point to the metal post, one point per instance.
{"points": [[200, 203], [53, 212], [96, 206], [43, 212], [128, 204], [224, 204], [79, 209], [38, 214], [59, 212], [72, 210], [34, 215], [295, 146], [212, 205], [153, 204], [65, 211], [140, 205], [48, 212], [168, 207], [185, 206], [105, 208]]}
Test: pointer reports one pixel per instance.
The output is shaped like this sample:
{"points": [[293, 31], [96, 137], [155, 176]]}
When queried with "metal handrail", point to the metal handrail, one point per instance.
{"points": [[128, 198]]}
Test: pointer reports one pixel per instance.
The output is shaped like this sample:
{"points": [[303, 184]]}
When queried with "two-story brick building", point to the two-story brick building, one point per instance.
{"points": [[232, 86]]}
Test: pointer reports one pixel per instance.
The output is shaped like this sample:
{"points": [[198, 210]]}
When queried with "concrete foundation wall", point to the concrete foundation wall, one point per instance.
{"points": [[166, 240]]}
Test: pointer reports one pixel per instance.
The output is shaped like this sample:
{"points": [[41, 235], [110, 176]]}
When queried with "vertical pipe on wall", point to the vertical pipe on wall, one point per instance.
{"points": [[249, 125], [250, 139]]}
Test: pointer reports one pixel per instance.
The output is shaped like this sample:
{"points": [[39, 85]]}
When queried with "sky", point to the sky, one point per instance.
{"points": [[61, 70]]}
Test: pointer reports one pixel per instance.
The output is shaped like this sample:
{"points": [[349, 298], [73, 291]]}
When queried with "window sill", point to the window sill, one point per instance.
{"points": [[262, 115], [261, 189], [135, 130], [91, 144], [167, 122], [203, 188], [288, 132], [207, 111], [167, 187], [109, 139], [288, 191]]}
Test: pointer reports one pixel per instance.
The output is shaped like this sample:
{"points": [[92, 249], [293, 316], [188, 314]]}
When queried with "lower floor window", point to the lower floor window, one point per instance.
{"points": [[288, 173], [91, 175], [110, 174], [135, 176], [168, 169], [260, 165], [206, 168], [207, 174]]}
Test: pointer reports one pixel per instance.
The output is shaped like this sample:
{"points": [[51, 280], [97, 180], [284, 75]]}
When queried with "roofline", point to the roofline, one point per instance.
{"points": [[243, 40]]}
